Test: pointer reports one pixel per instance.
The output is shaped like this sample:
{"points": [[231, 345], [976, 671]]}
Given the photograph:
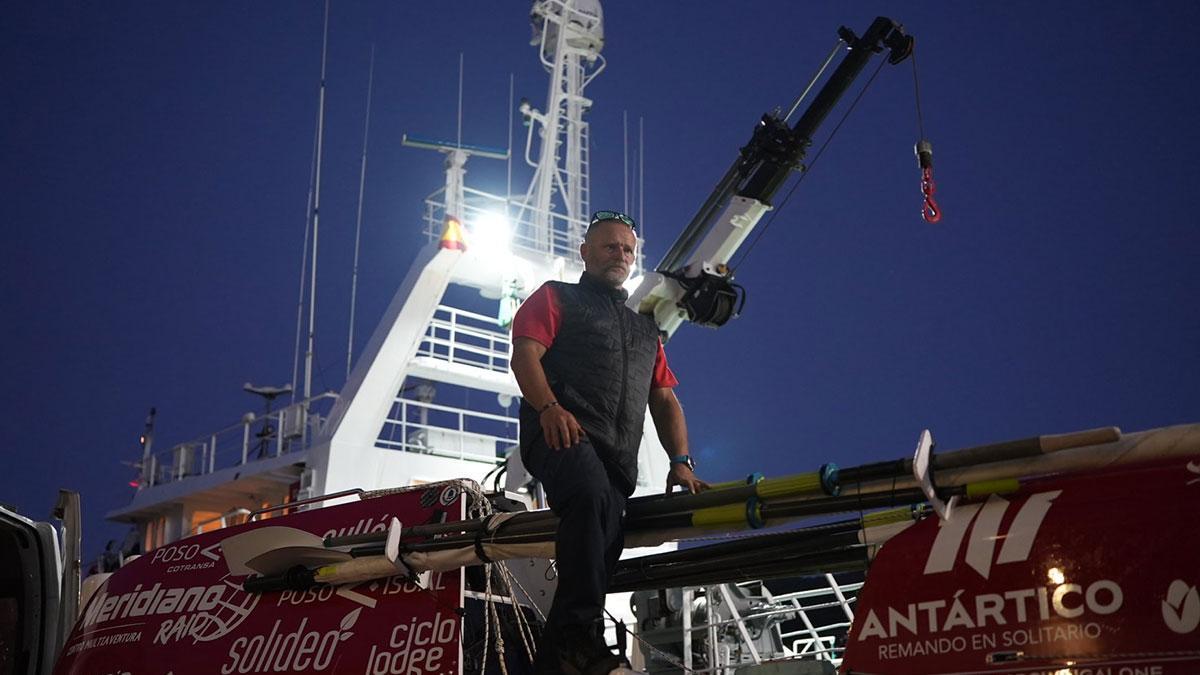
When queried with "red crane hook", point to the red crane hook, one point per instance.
{"points": [[930, 210]]}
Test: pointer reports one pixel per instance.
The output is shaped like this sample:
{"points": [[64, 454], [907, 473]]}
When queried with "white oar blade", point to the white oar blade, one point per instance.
{"points": [[241, 548]]}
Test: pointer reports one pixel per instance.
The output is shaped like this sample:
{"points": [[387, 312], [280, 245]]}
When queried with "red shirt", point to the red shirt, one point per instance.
{"points": [[538, 319]]}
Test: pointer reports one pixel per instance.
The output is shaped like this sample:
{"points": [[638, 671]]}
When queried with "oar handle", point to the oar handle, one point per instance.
{"points": [[1078, 439], [1025, 447], [356, 539]]}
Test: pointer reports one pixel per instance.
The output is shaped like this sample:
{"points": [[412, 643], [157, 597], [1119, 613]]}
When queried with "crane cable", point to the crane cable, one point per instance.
{"points": [[930, 210], [808, 169]]}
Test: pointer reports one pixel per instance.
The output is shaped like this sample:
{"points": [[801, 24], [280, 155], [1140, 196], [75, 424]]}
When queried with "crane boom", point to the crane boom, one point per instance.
{"points": [[693, 282]]}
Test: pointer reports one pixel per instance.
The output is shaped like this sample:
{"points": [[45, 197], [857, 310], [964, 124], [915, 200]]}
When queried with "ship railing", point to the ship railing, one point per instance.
{"points": [[818, 638], [448, 431], [287, 430], [560, 238], [483, 209], [458, 336]]}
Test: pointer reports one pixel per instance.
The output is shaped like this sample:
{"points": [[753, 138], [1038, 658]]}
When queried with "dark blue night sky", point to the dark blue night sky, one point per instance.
{"points": [[156, 161]]}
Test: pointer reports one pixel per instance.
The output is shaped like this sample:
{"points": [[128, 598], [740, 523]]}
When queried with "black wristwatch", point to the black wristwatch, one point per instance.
{"points": [[684, 459]]}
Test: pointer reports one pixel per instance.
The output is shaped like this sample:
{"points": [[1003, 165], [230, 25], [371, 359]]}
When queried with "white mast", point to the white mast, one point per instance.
{"points": [[316, 219], [362, 181], [569, 35]]}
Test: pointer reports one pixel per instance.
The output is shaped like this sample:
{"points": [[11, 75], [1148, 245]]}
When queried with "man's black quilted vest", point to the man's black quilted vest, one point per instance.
{"points": [[600, 368]]}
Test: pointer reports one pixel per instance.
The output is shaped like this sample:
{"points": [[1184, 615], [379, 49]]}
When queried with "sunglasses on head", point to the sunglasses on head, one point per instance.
{"points": [[601, 216]]}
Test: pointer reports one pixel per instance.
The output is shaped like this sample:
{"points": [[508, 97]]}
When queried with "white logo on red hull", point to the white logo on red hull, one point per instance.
{"points": [[1181, 609], [983, 522], [284, 650]]}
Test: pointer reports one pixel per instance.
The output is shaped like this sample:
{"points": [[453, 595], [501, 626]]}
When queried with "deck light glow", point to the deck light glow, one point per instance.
{"points": [[1056, 575], [491, 233]]}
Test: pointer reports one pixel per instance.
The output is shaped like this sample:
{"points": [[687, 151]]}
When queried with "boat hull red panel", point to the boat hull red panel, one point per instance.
{"points": [[180, 609], [1082, 575]]}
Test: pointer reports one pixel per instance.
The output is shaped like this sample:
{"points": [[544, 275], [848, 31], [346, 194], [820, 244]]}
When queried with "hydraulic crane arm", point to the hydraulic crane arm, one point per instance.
{"points": [[693, 282]]}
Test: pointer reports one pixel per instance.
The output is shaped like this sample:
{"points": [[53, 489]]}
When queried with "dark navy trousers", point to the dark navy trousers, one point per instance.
{"points": [[590, 537]]}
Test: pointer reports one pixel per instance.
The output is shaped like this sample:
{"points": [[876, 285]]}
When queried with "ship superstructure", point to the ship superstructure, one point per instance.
{"points": [[431, 396]]}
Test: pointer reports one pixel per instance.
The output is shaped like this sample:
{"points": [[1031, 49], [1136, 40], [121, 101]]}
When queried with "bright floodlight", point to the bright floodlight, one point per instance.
{"points": [[491, 233]]}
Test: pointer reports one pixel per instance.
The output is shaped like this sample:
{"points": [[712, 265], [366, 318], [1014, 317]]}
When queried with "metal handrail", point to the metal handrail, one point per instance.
{"points": [[449, 324], [239, 511], [198, 457], [405, 426], [812, 641], [563, 239], [456, 410], [489, 357], [309, 500]]}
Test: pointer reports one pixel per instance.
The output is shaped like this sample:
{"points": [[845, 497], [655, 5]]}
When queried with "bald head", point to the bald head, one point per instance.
{"points": [[608, 251]]}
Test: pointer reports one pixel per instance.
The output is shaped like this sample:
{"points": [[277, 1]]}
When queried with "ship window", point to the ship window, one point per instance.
{"points": [[206, 521], [155, 534]]}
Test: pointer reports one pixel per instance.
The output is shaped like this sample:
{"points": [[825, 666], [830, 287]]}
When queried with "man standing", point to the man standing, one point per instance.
{"points": [[588, 367]]}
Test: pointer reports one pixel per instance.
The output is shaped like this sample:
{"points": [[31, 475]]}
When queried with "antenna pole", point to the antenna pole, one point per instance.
{"points": [[312, 173], [508, 163], [362, 180], [316, 216], [641, 176], [625, 160], [460, 87]]}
